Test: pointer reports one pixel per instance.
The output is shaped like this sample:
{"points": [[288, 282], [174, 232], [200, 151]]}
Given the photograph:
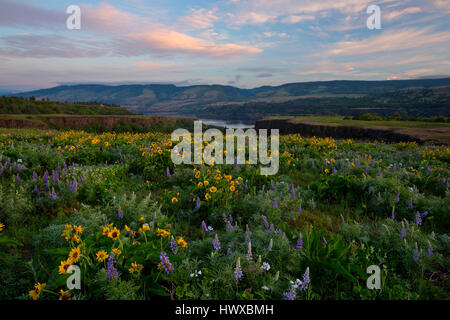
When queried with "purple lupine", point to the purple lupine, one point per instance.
{"points": [[393, 213], [167, 172], [205, 227], [275, 204], [165, 263], [245, 186], [35, 175], [366, 169], [247, 239], [58, 168], [403, 232], [229, 252], [299, 210], [173, 245], [290, 295], [306, 280], [45, 177], [216, 243], [73, 186], [299, 244], [266, 223], [410, 205], [55, 176], [443, 180], [397, 197], [334, 170], [238, 270], [312, 163], [197, 204], [112, 271], [416, 254], [418, 219], [358, 164], [229, 226], [249, 255], [429, 250], [429, 170], [120, 213], [1, 170], [53, 195], [36, 190], [291, 187], [18, 180], [269, 248], [271, 228], [247, 229], [65, 166], [394, 168], [293, 194]]}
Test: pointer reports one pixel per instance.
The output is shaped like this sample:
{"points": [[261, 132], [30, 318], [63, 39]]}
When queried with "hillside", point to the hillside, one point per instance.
{"points": [[226, 102], [16, 105]]}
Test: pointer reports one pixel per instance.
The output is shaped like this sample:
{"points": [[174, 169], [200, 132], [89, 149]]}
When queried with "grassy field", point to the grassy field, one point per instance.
{"points": [[140, 227], [421, 129]]}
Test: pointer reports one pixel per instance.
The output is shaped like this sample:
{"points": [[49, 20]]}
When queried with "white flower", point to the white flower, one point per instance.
{"points": [[19, 160], [210, 228], [265, 288], [265, 266]]}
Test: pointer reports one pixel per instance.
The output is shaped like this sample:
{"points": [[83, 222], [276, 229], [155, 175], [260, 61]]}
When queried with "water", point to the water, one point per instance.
{"points": [[232, 124]]}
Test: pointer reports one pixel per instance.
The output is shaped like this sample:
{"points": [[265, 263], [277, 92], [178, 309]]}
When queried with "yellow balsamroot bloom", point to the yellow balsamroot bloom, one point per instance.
{"points": [[1, 226], [232, 188], [162, 233], [117, 251], [206, 183], [326, 170], [174, 200], [75, 254], [200, 184], [213, 189], [145, 227], [181, 242], [207, 196], [135, 267], [65, 264], [141, 219], [114, 233], [101, 255], [65, 295], [36, 292]]}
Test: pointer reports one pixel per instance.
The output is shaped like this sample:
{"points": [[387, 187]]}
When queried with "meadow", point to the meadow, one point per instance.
{"points": [[140, 228]]}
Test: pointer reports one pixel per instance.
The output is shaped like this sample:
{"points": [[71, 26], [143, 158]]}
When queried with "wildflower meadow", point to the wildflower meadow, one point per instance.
{"points": [[109, 216]]}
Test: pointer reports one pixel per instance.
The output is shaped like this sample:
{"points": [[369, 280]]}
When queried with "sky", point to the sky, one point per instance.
{"points": [[243, 43]]}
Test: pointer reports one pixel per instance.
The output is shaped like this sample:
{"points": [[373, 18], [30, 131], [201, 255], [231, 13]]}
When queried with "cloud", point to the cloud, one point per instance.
{"points": [[389, 41], [397, 13], [297, 18], [172, 41], [200, 19]]}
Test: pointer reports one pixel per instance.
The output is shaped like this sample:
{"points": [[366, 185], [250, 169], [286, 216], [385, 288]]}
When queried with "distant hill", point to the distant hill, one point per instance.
{"points": [[17, 105], [227, 102]]}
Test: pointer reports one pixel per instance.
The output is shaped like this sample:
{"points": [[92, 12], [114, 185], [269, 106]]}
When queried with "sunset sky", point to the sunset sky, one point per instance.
{"points": [[244, 43]]}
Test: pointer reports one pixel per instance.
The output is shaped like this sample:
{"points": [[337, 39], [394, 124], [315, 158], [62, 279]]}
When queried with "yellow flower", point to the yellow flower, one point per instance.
{"points": [[36, 292], [326, 170], [135, 267], [117, 251], [162, 233], [213, 189], [174, 200], [114, 233], [181, 242], [75, 254], [206, 183], [232, 188], [62, 269], [101, 255], [197, 174], [1, 226], [127, 228], [145, 227], [141, 219], [207, 196], [200, 184], [65, 295]]}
